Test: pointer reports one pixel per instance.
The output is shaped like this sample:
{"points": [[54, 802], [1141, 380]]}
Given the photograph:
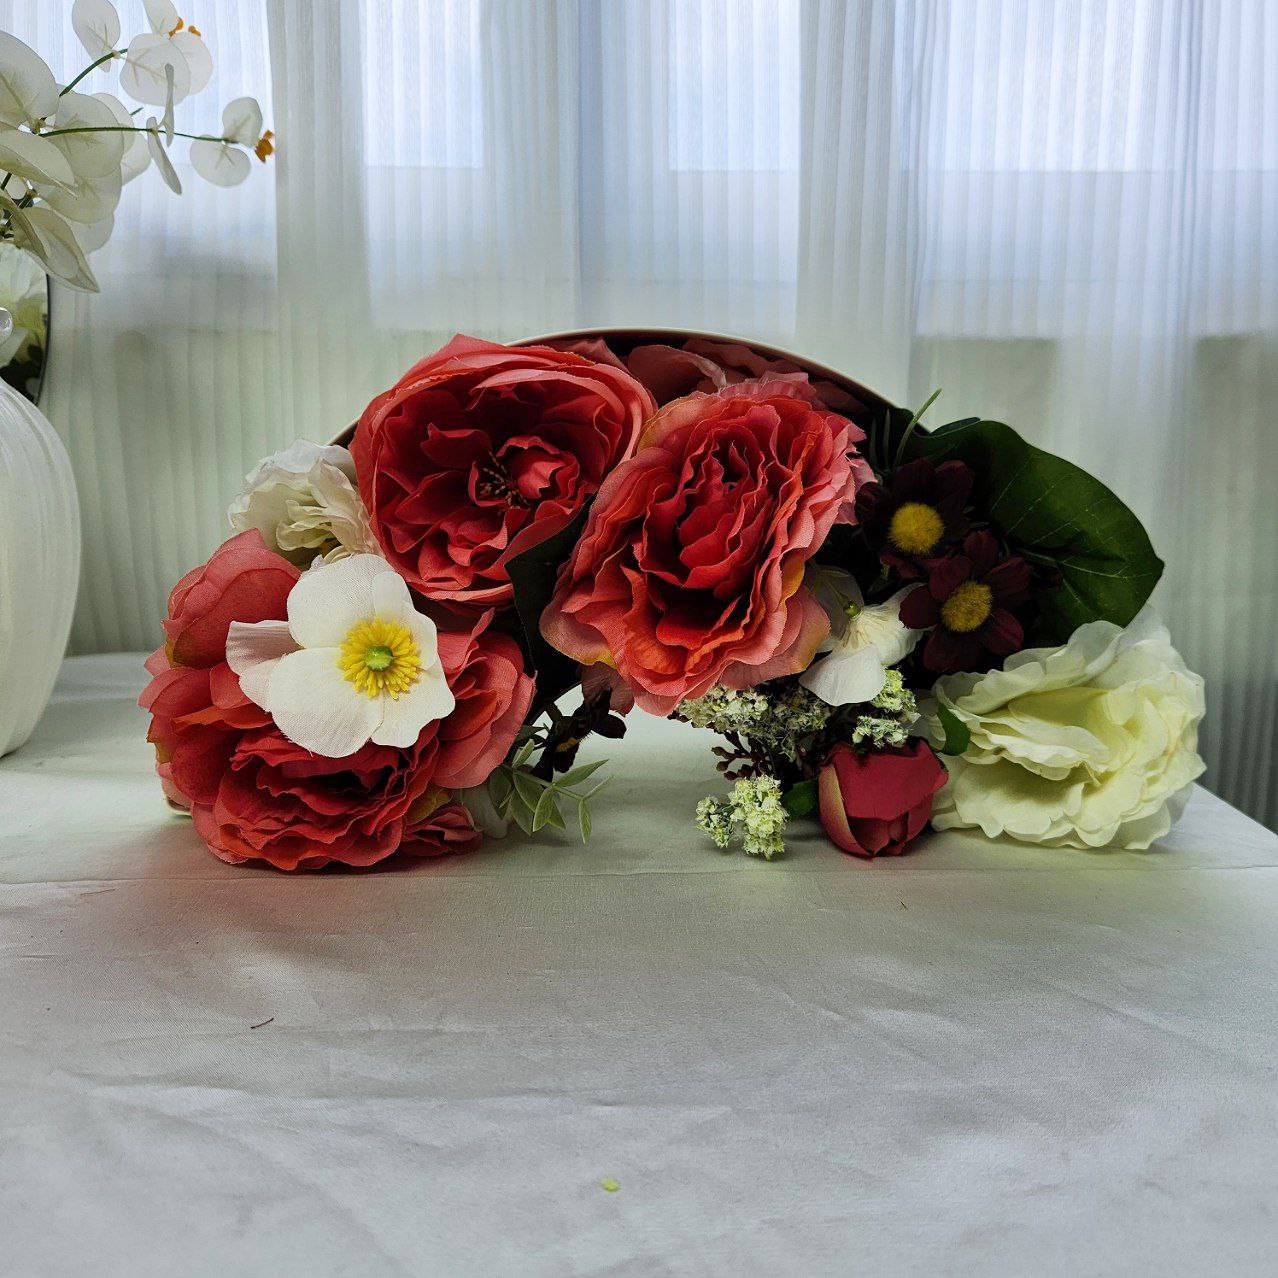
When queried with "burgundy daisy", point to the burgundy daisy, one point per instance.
{"points": [[966, 603], [917, 514]]}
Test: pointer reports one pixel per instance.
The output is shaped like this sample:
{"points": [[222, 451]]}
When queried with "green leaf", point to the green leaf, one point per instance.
{"points": [[1060, 517], [522, 815], [529, 789], [546, 805], [577, 775], [583, 819], [499, 787], [801, 799], [957, 734], [533, 574]]}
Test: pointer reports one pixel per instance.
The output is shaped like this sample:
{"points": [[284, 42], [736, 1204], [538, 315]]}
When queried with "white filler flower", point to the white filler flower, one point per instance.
{"points": [[1089, 745], [863, 641], [355, 661], [304, 502]]}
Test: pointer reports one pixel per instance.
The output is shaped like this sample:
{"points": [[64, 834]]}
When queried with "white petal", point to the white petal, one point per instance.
{"points": [[34, 158], [161, 158], [404, 717], [144, 78], [199, 61], [90, 155], [846, 678], [392, 602], [253, 650], [28, 91], [242, 121], [219, 162], [48, 239], [89, 200], [136, 157], [330, 599], [162, 15], [316, 706], [96, 25]]}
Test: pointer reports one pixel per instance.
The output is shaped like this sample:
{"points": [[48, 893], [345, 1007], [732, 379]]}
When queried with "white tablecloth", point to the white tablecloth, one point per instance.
{"points": [[978, 1058]]}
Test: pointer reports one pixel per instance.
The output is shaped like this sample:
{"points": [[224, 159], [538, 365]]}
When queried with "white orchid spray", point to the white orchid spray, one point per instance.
{"points": [[65, 155]]}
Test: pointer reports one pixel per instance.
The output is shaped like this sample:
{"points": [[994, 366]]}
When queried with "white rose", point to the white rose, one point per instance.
{"points": [[1088, 745], [305, 504]]}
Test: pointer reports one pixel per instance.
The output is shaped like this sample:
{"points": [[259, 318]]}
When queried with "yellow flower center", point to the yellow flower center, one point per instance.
{"points": [[381, 658], [916, 528], [265, 145], [968, 607]]}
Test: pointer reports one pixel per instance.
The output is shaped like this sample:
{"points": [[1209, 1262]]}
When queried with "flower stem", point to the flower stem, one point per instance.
{"points": [[126, 128], [106, 57]]}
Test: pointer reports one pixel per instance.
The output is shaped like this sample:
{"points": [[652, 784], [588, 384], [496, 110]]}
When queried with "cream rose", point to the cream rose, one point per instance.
{"points": [[304, 502], [1093, 744]]}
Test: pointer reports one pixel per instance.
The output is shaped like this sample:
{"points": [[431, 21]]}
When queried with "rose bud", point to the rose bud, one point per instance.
{"points": [[876, 803]]}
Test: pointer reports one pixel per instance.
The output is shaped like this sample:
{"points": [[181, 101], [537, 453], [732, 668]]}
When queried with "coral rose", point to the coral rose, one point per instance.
{"points": [[255, 795], [480, 451], [690, 570], [877, 803]]}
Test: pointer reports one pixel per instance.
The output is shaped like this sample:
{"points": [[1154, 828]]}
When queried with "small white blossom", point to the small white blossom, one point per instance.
{"points": [[753, 812]]}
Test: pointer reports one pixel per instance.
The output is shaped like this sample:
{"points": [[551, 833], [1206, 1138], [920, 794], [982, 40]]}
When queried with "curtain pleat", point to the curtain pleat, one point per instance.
{"points": [[1063, 215]]}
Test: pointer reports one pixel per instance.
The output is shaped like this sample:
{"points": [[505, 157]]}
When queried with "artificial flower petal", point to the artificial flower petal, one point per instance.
{"points": [[253, 650], [94, 154], [144, 76], [48, 238], [96, 25], [242, 121], [219, 162], [162, 162], [28, 91], [845, 677], [404, 717], [315, 706], [199, 61], [34, 158], [328, 603]]}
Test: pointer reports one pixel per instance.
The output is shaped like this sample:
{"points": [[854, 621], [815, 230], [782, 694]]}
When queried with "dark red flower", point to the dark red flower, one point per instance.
{"points": [[875, 804], [917, 514], [968, 600]]}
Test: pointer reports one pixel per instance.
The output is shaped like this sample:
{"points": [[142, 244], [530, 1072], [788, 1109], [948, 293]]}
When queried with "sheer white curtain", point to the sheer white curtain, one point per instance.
{"points": [[1064, 214]]}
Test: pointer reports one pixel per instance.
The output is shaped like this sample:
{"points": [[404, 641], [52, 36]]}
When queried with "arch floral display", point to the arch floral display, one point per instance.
{"points": [[404, 642]]}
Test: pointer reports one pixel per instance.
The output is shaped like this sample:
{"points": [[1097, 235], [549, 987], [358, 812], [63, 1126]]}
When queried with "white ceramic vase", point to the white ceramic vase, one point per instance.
{"points": [[39, 563]]}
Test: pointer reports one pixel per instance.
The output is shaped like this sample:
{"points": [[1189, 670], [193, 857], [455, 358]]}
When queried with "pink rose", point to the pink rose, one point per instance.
{"points": [[877, 803], [482, 450], [690, 570], [255, 795]]}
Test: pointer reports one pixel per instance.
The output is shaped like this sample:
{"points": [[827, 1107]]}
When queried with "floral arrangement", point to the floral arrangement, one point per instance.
{"points": [[403, 645], [65, 154]]}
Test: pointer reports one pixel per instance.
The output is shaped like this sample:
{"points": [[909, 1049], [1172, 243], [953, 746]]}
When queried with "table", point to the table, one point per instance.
{"points": [[978, 1058]]}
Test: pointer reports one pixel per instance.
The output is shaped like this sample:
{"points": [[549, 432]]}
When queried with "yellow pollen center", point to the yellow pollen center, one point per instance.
{"points": [[381, 658], [968, 607], [916, 528]]}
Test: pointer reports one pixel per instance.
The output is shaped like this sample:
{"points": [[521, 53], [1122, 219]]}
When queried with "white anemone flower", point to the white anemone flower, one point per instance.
{"points": [[864, 640], [355, 661]]}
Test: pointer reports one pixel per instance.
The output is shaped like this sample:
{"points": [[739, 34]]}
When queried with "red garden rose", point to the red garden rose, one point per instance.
{"points": [[690, 570], [255, 795], [482, 450], [875, 804]]}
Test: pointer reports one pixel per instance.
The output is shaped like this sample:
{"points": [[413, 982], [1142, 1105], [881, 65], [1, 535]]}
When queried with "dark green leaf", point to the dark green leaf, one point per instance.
{"points": [[533, 574], [957, 733], [801, 799], [1061, 518], [499, 787]]}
